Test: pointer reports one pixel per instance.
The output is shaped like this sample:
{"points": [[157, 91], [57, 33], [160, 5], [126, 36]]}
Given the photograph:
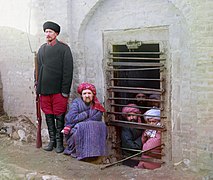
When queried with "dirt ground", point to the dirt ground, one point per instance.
{"points": [[19, 160]]}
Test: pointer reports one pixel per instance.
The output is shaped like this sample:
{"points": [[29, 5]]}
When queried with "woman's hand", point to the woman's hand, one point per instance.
{"points": [[66, 130], [144, 137]]}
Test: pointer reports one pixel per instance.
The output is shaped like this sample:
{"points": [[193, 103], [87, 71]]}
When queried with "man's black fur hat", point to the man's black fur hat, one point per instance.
{"points": [[51, 25]]}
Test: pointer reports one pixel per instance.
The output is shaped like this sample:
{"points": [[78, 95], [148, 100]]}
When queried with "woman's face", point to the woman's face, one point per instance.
{"points": [[87, 96], [152, 121]]}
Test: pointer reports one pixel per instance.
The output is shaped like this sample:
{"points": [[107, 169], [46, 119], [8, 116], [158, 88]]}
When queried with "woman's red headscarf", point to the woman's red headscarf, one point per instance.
{"points": [[97, 105]]}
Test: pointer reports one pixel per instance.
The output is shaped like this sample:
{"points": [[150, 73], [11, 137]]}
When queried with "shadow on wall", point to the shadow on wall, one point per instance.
{"points": [[1, 97]]}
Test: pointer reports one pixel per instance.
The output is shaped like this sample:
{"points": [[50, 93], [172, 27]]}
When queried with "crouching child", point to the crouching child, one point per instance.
{"points": [[151, 139]]}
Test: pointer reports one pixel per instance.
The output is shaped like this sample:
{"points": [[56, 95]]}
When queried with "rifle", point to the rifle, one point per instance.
{"points": [[38, 109]]}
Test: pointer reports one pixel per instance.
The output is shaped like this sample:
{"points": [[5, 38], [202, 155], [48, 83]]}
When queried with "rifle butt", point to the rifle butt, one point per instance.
{"points": [[38, 136]]}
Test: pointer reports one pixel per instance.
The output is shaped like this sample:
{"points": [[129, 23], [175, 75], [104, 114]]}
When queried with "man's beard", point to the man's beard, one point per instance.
{"points": [[133, 120], [142, 103]]}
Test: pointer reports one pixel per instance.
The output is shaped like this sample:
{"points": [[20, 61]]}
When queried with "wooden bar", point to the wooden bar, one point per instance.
{"points": [[139, 107], [136, 64], [135, 69], [134, 99], [129, 53], [129, 157], [135, 88], [135, 79], [147, 153], [135, 125], [121, 113], [137, 58], [134, 91]]}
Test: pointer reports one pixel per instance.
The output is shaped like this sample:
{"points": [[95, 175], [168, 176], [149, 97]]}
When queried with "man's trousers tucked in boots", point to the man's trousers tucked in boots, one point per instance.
{"points": [[50, 120], [59, 135]]}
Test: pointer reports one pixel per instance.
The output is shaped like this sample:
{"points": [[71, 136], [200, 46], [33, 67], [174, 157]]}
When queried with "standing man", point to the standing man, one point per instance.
{"points": [[141, 101], [55, 73]]}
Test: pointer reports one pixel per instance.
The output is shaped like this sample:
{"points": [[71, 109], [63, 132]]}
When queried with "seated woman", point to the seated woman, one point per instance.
{"points": [[151, 138], [84, 130]]}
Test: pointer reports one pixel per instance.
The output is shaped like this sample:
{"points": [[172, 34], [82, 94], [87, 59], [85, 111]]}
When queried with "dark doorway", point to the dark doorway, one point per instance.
{"points": [[138, 68], [133, 72]]}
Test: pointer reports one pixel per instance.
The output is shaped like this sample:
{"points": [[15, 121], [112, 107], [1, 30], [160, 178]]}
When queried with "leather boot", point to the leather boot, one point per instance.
{"points": [[59, 136], [52, 132]]}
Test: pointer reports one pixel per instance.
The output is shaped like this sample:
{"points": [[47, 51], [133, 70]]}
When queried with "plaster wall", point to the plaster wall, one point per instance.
{"points": [[190, 64]]}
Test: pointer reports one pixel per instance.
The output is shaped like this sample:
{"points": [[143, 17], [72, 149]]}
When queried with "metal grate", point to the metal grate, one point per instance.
{"points": [[129, 73]]}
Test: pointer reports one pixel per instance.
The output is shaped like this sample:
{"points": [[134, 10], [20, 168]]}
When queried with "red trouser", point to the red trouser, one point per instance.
{"points": [[53, 104]]}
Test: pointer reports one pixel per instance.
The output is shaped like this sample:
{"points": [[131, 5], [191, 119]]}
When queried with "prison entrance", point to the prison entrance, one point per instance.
{"points": [[135, 76]]}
